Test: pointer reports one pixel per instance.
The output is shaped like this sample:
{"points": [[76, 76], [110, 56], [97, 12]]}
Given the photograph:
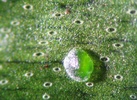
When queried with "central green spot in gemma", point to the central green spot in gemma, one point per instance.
{"points": [[78, 65]]}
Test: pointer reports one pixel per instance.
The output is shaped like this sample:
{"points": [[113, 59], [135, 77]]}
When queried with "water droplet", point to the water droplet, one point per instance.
{"points": [[78, 65]]}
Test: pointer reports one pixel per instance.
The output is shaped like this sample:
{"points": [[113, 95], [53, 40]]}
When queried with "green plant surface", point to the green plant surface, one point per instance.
{"points": [[36, 35]]}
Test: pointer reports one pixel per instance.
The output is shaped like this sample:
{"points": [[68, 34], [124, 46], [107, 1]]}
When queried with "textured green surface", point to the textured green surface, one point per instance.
{"points": [[20, 47]]}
